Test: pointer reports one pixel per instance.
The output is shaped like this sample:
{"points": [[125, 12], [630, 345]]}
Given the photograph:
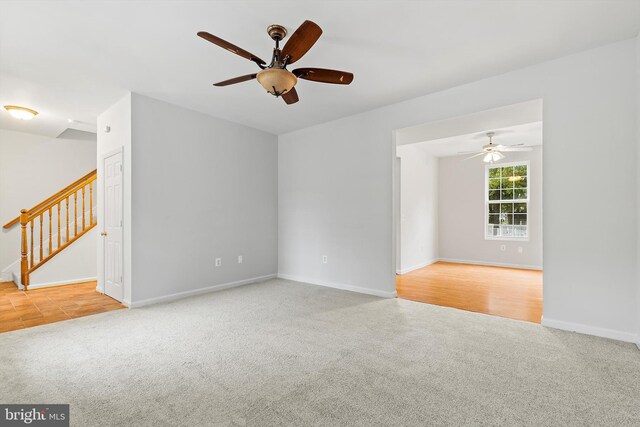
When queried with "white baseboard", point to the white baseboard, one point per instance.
{"points": [[341, 286], [6, 273], [185, 294], [58, 283], [590, 330], [491, 264], [417, 266]]}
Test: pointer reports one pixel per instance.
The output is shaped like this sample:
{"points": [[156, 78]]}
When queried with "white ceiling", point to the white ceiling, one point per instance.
{"points": [[529, 134], [74, 59]]}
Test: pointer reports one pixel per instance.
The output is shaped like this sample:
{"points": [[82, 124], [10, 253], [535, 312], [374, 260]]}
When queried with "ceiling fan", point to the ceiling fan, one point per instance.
{"points": [[275, 77], [493, 153]]}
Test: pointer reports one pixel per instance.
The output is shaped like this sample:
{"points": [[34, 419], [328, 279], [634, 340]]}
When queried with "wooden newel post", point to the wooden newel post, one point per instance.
{"points": [[24, 262]]}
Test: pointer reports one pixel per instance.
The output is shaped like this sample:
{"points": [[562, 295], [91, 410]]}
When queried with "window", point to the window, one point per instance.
{"points": [[507, 201]]}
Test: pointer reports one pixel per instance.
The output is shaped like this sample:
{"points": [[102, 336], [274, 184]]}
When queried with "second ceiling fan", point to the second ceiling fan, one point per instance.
{"points": [[493, 153], [275, 77]]}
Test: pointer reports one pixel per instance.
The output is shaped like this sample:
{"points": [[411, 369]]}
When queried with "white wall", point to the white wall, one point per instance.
{"points": [[638, 180], [203, 188], [118, 118], [462, 213], [76, 263], [418, 208], [335, 187], [32, 168]]}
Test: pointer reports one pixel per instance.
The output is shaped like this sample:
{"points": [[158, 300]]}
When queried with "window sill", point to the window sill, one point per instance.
{"points": [[508, 239]]}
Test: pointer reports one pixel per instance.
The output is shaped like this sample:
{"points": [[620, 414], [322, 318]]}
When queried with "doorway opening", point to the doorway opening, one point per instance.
{"points": [[468, 212], [48, 255]]}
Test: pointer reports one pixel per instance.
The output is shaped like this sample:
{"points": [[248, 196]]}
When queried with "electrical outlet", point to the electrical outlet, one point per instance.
{"points": [[503, 248], [324, 259], [218, 262], [519, 249], [239, 259]]}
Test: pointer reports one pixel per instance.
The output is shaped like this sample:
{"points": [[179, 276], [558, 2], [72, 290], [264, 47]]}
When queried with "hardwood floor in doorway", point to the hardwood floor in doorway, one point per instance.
{"points": [[504, 292], [19, 309]]}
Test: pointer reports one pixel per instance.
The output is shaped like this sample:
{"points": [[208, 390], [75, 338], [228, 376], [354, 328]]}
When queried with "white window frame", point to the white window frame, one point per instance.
{"points": [[486, 200]]}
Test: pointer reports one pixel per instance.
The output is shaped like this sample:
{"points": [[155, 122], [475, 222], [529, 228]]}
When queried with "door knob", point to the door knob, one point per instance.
{"points": [[104, 233]]}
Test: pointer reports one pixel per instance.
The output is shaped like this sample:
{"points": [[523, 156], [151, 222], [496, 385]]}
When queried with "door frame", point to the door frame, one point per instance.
{"points": [[102, 209]]}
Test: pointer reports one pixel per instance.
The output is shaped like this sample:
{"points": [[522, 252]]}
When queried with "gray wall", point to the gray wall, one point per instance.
{"points": [[335, 187], [462, 213], [203, 188], [638, 180], [418, 208]]}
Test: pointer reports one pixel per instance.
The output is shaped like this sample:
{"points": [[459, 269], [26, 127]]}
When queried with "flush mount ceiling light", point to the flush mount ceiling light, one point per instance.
{"points": [[275, 77], [21, 113], [493, 153]]}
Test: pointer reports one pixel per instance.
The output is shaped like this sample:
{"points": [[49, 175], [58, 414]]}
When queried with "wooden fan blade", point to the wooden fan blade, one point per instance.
{"points": [[236, 80], [291, 97], [301, 41], [323, 75], [230, 47]]}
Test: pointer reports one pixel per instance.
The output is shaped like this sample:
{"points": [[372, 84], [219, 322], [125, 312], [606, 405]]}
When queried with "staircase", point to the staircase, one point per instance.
{"points": [[56, 223]]}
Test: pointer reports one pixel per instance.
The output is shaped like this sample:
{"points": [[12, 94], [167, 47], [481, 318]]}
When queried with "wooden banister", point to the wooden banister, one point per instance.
{"points": [[27, 218], [47, 201]]}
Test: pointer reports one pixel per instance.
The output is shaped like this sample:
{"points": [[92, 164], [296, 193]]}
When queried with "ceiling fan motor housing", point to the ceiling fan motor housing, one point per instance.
{"points": [[277, 32]]}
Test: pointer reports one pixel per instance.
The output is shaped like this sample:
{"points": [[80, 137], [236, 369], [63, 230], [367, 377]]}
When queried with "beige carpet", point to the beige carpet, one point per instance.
{"points": [[284, 353]]}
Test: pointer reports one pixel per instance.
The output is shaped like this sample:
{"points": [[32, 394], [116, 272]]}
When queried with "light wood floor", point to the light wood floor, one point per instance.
{"points": [[505, 292], [19, 309]]}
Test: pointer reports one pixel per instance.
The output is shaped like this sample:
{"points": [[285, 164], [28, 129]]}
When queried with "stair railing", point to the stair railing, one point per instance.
{"points": [[41, 217]]}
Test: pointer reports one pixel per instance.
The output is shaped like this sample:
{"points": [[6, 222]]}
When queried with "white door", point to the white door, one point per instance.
{"points": [[112, 234]]}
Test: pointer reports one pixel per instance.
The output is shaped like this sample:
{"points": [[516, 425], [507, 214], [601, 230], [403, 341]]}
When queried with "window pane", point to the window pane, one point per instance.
{"points": [[507, 171], [506, 230], [494, 172], [520, 219], [508, 194], [507, 183], [494, 184], [519, 231], [494, 194], [520, 182], [520, 208], [506, 207], [494, 207], [520, 170], [520, 193], [506, 218], [494, 219]]}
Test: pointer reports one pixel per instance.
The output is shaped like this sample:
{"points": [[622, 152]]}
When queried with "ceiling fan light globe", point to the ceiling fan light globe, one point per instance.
{"points": [[276, 81], [493, 156]]}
